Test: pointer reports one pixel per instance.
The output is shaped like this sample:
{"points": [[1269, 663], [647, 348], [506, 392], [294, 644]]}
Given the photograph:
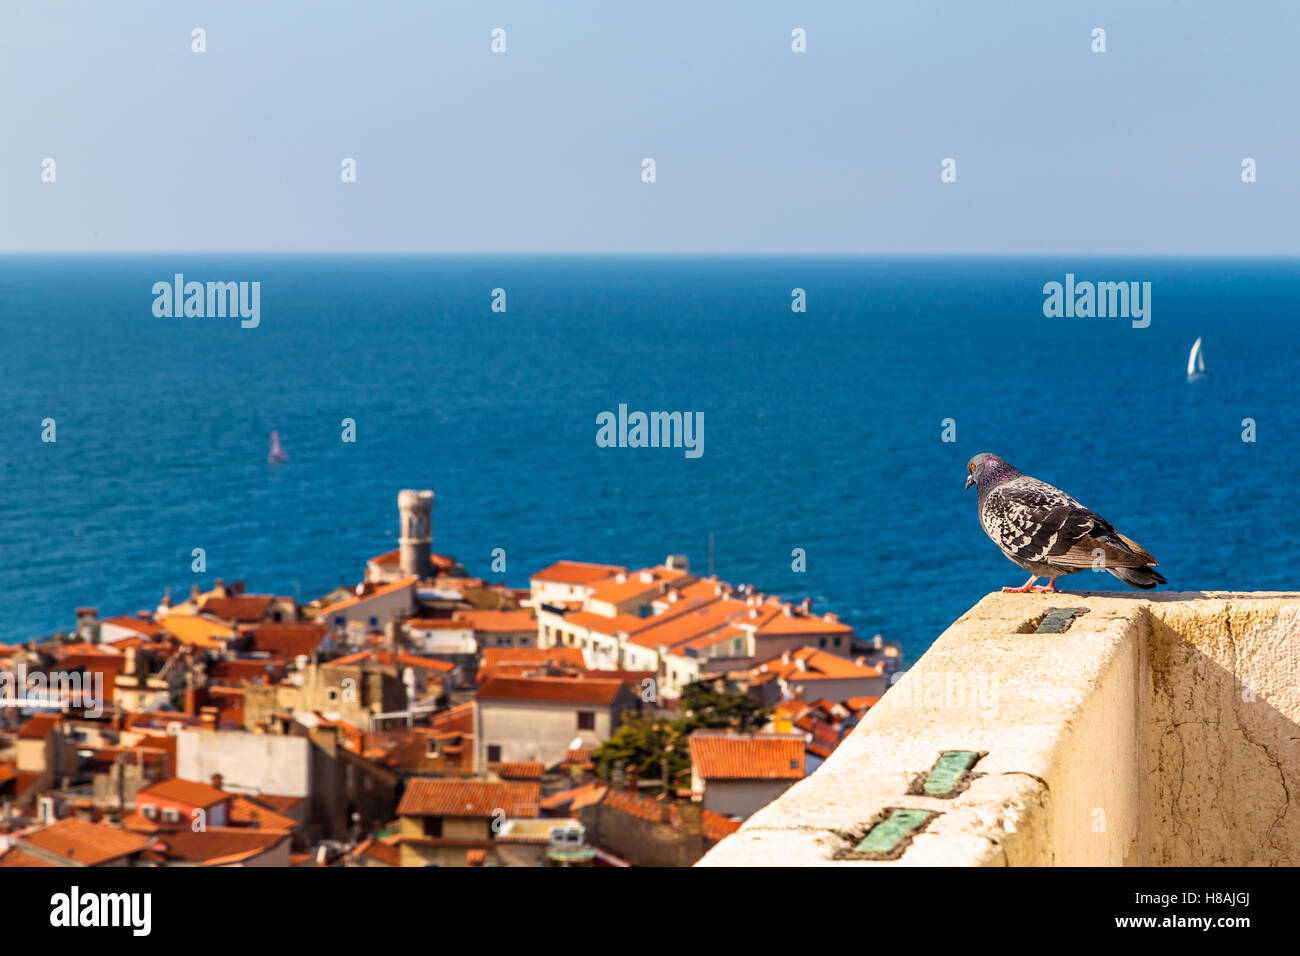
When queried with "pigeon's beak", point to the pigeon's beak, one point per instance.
{"points": [[970, 480]]}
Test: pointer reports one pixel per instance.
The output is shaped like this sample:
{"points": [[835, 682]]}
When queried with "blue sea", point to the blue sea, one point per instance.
{"points": [[823, 429]]}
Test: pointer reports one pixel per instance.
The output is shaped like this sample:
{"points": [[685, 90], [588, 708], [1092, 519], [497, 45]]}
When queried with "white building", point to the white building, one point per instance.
{"points": [[539, 718], [370, 611]]}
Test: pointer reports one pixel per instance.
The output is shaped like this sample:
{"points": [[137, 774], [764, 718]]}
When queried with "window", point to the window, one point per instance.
{"points": [[494, 753], [171, 814], [333, 695], [586, 720], [374, 622], [149, 810], [837, 642], [821, 642], [433, 826]]}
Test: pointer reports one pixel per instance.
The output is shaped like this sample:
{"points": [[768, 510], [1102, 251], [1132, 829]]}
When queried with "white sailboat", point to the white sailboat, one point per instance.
{"points": [[276, 455], [1196, 362]]}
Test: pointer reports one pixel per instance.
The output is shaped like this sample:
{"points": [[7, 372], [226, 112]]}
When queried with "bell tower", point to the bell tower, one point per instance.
{"points": [[416, 539]]}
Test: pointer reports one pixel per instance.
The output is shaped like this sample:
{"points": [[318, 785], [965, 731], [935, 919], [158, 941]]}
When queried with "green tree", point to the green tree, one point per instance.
{"points": [[645, 742], [709, 709]]}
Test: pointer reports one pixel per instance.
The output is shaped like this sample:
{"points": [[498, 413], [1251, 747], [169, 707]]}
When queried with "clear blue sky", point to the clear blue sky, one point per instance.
{"points": [[759, 150]]}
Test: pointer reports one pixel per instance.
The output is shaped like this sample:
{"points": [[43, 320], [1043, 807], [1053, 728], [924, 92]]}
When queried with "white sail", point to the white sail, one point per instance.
{"points": [[1195, 360], [277, 454]]}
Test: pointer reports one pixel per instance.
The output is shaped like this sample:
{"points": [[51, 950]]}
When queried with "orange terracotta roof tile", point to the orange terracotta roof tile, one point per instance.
{"points": [[435, 624], [185, 791], [287, 640], [16, 857], [701, 616], [432, 797], [714, 825], [90, 844], [197, 631], [459, 718], [816, 665], [38, 726], [520, 770], [246, 812], [389, 659], [407, 582], [137, 624], [247, 668], [503, 659], [244, 608], [507, 621], [576, 572], [724, 756], [389, 854], [573, 800], [559, 690], [581, 756], [636, 584], [216, 846]]}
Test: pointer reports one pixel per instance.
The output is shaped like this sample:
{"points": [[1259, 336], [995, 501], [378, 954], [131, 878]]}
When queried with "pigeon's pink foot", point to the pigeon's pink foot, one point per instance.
{"points": [[1048, 588], [1024, 588]]}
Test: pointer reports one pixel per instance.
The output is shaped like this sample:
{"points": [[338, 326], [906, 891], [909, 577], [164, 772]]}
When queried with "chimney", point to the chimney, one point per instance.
{"points": [[785, 657], [860, 661], [220, 587], [692, 831], [167, 597], [806, 606], [787, 610], [208, 717], [194, 593], [217, 780]]}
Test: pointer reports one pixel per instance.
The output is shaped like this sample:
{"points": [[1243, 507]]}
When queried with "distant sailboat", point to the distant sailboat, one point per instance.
{"points": [[276, 455], [1196, 362]]}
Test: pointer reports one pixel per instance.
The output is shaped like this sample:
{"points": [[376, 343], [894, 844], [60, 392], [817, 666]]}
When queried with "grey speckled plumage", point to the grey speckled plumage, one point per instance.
{"points": [[1047, 532]]}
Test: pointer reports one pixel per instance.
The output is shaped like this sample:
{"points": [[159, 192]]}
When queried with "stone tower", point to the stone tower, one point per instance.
{"points": [[416, 540]]}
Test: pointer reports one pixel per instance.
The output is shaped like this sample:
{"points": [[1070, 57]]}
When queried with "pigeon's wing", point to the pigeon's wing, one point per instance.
{"points": [[1035, 523]]}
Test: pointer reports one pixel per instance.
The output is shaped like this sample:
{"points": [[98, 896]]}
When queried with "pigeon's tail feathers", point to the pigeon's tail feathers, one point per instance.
{"points": [[1143, 578], [1140, 551]]}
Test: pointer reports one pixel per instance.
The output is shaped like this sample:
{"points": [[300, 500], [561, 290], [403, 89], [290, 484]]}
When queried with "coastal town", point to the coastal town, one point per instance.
{"points": [[603, 716]]}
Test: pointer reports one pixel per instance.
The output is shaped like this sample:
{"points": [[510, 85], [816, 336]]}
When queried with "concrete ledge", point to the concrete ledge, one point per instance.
{"points": [[1158, 729]]}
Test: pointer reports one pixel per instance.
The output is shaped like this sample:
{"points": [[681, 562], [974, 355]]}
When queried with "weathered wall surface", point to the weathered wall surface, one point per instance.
{"points": [[1125, 740], [1223, 686]]}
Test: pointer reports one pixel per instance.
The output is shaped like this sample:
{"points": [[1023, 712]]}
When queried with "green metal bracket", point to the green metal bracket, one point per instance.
{"points": [[890, 837], [949, 772], [1058, 619]]}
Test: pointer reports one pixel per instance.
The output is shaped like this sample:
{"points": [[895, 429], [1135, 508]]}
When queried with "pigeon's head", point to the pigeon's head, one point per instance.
{"points": [[985, 470]]}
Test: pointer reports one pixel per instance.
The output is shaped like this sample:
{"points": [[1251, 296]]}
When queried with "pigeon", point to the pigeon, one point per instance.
{"points": [[1048, 533]]}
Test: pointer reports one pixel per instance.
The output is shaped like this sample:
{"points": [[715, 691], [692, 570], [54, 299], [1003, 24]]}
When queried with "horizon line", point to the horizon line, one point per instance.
{"points": [[14, 253]]}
